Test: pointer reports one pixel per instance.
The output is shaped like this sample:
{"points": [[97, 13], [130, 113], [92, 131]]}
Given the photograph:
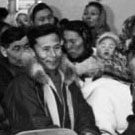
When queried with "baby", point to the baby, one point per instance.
{"points": [[105, 59]]}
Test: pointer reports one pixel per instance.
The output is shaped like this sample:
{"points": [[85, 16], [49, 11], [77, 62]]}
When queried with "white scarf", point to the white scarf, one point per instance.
{"points": [[50, 100]]}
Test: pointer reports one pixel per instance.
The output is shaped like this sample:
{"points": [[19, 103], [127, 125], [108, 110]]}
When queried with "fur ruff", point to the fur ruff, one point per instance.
{"points": [[36, 71]]}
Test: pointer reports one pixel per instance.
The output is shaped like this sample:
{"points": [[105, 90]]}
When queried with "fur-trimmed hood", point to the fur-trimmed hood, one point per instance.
{"points": [[36, 71]]}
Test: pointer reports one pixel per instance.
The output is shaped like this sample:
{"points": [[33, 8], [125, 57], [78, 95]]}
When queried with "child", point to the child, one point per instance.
{"points": [[21, 19], [105, 59]]}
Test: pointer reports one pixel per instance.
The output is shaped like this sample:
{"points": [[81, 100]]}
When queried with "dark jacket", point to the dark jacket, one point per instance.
{"points": [[26, 109], [7, 73]]}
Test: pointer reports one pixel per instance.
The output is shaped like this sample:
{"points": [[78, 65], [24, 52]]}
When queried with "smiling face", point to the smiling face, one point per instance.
{"points": [[106, 48], [43, 17], [73, 44], [48, 51], [91, 16]]}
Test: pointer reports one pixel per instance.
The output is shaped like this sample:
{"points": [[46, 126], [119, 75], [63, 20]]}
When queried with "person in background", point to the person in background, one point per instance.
{"points": [[77, 41], [4, 124], [131, 65], [94, 16], [128, 31], [40, 14], [12, 42], [77, 48], [21, 19], [48, 96]]}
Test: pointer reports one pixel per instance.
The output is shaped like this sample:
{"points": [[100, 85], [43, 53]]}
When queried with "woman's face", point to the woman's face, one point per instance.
{"points": [[43, 17], [91, 16], [74, 44]]}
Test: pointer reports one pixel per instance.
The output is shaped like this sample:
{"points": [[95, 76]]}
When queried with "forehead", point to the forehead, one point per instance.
{"points": [[43, 13], [48, 40], [69, 34], [92, 8], [108, 40], [21, 42]]}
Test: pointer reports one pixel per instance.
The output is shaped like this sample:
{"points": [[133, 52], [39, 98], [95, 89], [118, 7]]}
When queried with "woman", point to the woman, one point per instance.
{"points": [[77, 41], [95, 17], [40, 14]]}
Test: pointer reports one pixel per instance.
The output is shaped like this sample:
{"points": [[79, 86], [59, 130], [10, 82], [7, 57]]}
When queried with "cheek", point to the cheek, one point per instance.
{"points": [[59, 53], [40, 54], [111, 51], [14, 55]]}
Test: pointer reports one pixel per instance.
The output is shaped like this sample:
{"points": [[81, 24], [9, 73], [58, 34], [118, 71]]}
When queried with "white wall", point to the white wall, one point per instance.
{"points": [[117, 10], [3, 3]]}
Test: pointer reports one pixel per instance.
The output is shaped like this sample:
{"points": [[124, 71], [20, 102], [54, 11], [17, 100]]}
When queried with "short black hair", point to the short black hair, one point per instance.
{"points": [[43, 30], [3, 13], [12, 34]]}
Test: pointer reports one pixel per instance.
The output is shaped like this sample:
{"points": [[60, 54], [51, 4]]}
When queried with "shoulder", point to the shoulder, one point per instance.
{"points": [[21, 82]]}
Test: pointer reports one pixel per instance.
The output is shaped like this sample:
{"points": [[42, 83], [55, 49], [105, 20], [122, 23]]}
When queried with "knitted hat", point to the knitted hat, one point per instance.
{"points": [[110, 35]]}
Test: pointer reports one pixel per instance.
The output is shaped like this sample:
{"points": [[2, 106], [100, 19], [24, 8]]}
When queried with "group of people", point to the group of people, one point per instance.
{"points": [[74, 74]]}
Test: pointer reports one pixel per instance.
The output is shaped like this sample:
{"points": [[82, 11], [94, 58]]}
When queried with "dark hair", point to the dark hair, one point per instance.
{"points": [[3, 13], [37, 8], [63, 22], [82, 29], [95, 4], [103, 16], [43, 30], [130, 53], [12, 34], [3, 25]]}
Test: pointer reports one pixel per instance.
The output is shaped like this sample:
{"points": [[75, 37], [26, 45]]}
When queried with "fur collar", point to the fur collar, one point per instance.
{"points": [[36, 71]]}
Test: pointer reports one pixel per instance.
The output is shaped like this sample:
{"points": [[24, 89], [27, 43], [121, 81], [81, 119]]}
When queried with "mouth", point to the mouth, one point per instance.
{"points": [[106, 53]]}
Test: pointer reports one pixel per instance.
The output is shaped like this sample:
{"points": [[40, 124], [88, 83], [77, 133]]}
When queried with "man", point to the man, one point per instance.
{"points": [[48, 95], [13, 43]]}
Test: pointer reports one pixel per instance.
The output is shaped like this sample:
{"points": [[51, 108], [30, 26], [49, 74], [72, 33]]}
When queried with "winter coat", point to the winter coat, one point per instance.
{"points": [[111, 102], [32, 102], [7, 73]]}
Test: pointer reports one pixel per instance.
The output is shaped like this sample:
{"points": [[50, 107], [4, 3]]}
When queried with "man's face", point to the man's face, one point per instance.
{"points": [[15, 50], [48, 51]]}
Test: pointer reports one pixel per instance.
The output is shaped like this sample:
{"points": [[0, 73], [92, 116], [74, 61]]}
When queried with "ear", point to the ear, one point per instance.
{"points": [[3, 51]]}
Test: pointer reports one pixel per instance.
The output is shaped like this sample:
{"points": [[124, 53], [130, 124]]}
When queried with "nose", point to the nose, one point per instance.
{"points": [[46, 21], [52, 52], [88, 17], [68, 45]]}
